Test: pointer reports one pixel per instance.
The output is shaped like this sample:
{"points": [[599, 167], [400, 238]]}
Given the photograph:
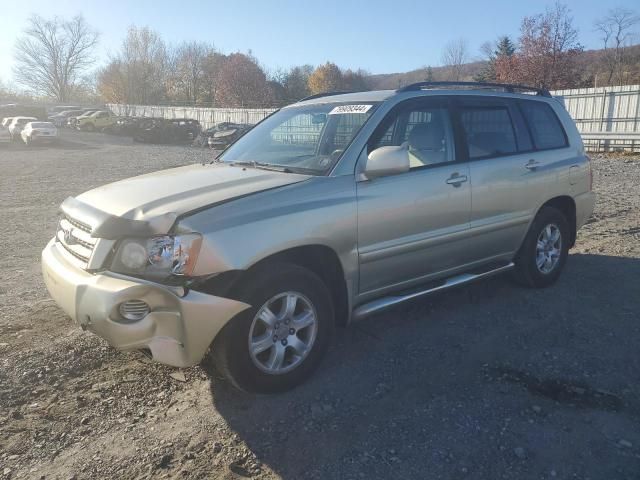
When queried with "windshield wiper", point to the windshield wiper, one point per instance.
{"points": [[264, 166]]}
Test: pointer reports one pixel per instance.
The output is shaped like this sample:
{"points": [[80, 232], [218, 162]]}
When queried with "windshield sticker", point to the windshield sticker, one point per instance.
{"points": [[350, 109]]}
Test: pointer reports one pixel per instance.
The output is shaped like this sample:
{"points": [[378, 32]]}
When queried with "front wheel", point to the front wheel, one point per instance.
{"points": [[544, 250], [277, 343]]}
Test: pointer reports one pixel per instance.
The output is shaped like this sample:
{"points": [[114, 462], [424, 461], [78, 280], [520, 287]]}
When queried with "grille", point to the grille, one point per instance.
{"points": [[76, 240]]}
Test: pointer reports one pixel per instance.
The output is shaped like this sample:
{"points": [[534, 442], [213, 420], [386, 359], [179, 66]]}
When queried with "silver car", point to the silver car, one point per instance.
{"points": [[327, 211]]}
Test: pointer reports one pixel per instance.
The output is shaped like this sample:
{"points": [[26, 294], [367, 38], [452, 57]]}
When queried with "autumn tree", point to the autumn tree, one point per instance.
{"points": [[454, 56], [52, 55], [138, 74], [548, 52], [326, 78], [616, 30], [242, 83], [211, 66]]}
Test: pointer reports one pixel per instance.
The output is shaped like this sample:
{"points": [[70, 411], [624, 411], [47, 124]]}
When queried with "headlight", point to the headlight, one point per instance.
{"points": [[158, 257]]}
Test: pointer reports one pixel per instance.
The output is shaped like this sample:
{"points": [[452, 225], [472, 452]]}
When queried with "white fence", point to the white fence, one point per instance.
{"points": [[607, 117], [208, 117]]}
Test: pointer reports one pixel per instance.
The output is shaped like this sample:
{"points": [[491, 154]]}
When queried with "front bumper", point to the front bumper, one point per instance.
{"points": [[177, 331]]}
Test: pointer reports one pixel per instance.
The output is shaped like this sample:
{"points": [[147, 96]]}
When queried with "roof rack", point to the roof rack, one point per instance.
{"points": [[506, 87], [323, 94]]}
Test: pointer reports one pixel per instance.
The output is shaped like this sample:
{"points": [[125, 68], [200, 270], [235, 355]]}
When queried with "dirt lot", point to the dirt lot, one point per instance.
{"points": [[490, 381]]}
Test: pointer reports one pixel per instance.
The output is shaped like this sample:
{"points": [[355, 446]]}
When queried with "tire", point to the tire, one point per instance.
{"points": [[272, 286], [529, 272]]}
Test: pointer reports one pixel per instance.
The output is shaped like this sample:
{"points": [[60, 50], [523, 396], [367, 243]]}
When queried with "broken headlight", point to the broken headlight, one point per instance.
{"points": [[158, 257]]}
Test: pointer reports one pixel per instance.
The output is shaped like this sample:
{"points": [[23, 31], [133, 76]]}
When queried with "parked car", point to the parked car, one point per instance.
{"points": [[62, 108], [17, 124], [5, 136], [72, 121], [16, 110], [329, 210], [39, 132], [160, 130], [60, 119], [126, 126], [222, 135], [96, 121]]}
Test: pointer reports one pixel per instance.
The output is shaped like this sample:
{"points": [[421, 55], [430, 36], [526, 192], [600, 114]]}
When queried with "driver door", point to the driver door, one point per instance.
{"points": [[414, 226]]}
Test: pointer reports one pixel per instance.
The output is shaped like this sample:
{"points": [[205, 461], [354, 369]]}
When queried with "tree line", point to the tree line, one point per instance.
{"points": [[55, 58], [147, 71]]}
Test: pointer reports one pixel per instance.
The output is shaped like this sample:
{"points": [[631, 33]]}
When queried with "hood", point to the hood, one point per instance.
{"points": [[180, 190]]}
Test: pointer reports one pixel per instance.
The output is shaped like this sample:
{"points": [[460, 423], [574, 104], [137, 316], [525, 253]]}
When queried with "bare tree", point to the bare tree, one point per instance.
{"points": [[454, 56], [190, 70], [52, 55], [617, 31]]}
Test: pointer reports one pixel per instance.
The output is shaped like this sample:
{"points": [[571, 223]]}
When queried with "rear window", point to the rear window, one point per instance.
{"points": [[546, 129], [489, 131]]}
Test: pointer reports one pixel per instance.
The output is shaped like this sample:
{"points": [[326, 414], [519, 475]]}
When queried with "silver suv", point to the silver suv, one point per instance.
{"points": [[327, 211]]}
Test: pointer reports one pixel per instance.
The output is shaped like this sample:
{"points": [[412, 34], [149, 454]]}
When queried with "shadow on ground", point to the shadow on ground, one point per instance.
{"points": [[487, 381]]}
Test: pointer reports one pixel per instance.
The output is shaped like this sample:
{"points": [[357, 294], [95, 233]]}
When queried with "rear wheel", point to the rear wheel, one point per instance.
{"points": [[277, 343], [544, 251]]}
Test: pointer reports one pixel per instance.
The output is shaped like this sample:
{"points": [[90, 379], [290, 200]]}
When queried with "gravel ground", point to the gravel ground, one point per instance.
{"points": [[489, 381]]}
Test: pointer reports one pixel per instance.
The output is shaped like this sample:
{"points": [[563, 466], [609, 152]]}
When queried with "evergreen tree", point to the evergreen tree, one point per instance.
{"points": [[428, 74], [504, 47]]}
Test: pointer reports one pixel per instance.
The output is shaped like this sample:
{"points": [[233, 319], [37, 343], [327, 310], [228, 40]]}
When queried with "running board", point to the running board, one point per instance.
{"points": [[386, 302]]}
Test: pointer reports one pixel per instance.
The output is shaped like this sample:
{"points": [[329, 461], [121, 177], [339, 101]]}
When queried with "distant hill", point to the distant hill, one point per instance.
{"points": [[591, 60]]}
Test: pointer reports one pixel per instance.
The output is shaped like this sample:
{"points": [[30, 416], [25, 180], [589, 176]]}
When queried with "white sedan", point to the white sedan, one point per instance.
{"points": [[39, 132], [17, 124]]}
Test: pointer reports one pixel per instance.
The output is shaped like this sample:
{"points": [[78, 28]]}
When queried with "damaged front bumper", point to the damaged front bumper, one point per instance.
{"points": [[177, 331]]}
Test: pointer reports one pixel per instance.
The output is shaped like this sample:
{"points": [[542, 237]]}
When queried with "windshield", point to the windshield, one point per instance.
{"points": [[306, 139]]}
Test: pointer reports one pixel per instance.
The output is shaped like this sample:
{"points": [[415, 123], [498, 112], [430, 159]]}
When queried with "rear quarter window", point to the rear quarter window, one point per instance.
{"points": [[546, 129]]}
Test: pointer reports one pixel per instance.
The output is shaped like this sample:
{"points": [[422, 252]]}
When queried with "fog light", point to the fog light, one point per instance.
{"points": [[134, 310]]}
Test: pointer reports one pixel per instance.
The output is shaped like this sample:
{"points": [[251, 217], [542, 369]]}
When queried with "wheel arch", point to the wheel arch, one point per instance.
{"points": [[320, 259], [567, 206]]}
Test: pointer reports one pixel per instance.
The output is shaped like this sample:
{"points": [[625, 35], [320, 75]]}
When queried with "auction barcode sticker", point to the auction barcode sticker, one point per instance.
{"points": [[350, 109]]}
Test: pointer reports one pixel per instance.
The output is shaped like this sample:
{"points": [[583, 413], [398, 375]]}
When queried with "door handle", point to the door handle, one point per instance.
{"points": [[456, 179], [532, 164]]}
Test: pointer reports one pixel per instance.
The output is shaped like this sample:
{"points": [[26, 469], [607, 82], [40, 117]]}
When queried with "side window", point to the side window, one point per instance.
{"points": [[488, 130], [546, 129], [424, 130]]}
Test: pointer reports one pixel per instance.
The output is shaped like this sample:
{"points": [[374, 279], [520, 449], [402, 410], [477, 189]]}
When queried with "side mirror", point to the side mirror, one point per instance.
{"points": [[385, 161]]}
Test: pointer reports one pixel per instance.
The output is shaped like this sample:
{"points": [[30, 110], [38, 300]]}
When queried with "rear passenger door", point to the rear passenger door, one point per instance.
{"points": [[510, 176]]}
